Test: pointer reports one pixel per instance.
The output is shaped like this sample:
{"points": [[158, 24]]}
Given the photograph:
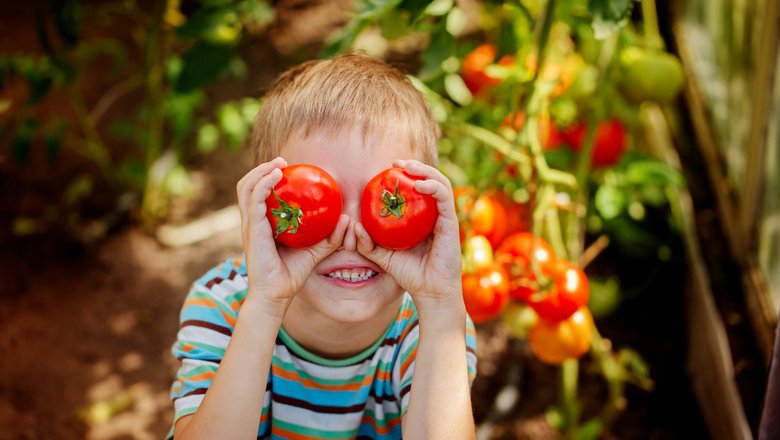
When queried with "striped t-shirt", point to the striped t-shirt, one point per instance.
{"points": [[307, 396]]}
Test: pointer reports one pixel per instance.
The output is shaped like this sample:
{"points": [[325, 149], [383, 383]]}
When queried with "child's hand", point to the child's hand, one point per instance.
{"points": [[275, 274], [430, 271]]}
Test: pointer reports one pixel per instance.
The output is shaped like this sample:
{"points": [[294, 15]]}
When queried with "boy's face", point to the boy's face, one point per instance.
{"points": [[330, 290]]}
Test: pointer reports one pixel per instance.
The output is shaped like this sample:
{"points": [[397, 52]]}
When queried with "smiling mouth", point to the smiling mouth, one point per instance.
{"points": [[353, 275]]}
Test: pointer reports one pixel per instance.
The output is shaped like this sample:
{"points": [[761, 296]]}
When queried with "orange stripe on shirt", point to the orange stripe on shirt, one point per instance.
{"points": [[294, 376], [210, 303], [381, 430]]}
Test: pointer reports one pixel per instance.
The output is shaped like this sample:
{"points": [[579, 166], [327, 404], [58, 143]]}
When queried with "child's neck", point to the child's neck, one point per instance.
{"points": [[336, 340]]}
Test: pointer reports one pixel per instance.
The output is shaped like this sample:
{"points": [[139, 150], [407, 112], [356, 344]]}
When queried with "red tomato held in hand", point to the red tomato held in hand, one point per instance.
{"points": [[485, 292], [555, 342], [393, 213], [609, 145], [567, 292], [304, 207], [517, 254]]}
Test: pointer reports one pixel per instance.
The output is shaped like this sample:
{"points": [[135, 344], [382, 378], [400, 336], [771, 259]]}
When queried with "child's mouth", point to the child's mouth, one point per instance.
{"points": [[353, 275]]}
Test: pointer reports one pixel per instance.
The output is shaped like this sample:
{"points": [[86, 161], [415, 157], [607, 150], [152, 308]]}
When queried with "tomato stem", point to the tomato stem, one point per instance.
{"points": [[394, 203], [569, 402], [288, 217]]}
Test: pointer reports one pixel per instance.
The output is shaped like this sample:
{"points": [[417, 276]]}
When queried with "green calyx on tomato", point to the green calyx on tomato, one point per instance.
{"points": [[289, 217], [526, 258], [394, 213], [305, 192], [394, 203]]}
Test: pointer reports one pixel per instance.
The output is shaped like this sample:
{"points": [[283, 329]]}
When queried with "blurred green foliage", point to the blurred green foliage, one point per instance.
{"points": [[153, 117]]}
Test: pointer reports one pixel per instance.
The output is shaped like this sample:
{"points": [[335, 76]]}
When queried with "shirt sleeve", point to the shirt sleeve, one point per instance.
{"points": [[206, 323], [403, 370]]}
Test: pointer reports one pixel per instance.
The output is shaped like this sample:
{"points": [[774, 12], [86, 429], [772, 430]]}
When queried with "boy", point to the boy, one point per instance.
{"points": [[344, 339]]}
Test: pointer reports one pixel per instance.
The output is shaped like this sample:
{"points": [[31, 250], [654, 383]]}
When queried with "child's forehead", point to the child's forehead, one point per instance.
{"points": [[328, 142]]}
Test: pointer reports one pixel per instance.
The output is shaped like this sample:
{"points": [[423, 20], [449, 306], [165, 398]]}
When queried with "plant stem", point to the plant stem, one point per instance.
{"points": [[569, 403], [576, 238], [650, 20], [601, 352]]}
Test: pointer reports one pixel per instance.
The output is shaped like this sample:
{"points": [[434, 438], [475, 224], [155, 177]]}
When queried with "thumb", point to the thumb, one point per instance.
{"points": [[369, 249]]}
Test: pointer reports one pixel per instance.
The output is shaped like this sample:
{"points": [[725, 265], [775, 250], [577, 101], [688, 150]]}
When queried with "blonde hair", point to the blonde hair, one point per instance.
{"points": [[348, 89]]}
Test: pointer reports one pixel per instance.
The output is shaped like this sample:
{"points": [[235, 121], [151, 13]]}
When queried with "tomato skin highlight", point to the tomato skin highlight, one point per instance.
{"points": [[569, 290], [316, 193], [555, 342], [485, 292], [517, 253], [418, 213]]}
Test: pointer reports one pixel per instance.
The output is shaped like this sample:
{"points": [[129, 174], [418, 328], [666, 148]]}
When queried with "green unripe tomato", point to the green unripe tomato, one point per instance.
{"points": [[650, 75]]}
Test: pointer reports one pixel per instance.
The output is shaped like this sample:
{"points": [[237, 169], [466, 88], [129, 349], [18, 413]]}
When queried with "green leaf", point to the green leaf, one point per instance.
{"points": [[203, 64], [457, 90], [457, 22], [609, 16], [208, 138], [249, 109], [257, 12], [67, 18], [394, 24], [440, 48], [180, 109], [122, 129], [652, 172], [438, 8], [610, 201], [589, 430], [232, 124], [79, 188], [178, 182], [604, 296], [54, 133], [22, 140]]}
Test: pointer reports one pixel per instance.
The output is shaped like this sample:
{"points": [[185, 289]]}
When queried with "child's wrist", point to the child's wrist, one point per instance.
{"points": [[274, 305], [440, 308]]}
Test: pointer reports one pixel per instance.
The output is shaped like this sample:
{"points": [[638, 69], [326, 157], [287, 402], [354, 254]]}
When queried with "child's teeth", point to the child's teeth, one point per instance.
{"points": [[352, 276]]}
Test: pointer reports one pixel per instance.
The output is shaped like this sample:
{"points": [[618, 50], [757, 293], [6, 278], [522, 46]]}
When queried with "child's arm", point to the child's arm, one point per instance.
{"points": [[440, 401], [233, 403]]}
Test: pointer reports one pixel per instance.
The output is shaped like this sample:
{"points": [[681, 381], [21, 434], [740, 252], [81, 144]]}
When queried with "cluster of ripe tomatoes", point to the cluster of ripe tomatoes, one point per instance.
{"points": [[504, 263]]}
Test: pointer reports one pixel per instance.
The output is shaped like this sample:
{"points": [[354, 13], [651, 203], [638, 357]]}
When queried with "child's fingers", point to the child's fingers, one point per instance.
{"points": [[246, 185], [256, 208], [445, 201], [419, 169], [367, 248], [334, 240]]}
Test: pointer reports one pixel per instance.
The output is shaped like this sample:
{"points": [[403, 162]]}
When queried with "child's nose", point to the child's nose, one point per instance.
{"points": [[352, 209]]}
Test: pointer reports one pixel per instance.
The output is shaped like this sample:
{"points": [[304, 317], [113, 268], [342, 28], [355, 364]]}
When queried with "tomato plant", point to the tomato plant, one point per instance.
{"points": [[567, 291], [519, 253], [485, 292], [304, 206], [609, 145], [394, 214], [650, 75], [555, 342], [486, 216], [475, 63]]}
